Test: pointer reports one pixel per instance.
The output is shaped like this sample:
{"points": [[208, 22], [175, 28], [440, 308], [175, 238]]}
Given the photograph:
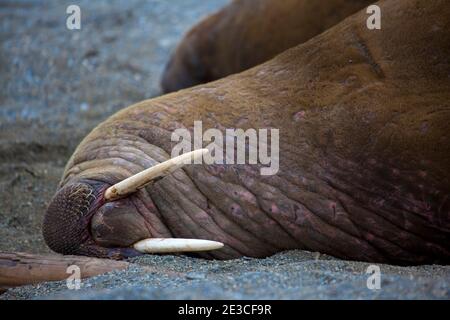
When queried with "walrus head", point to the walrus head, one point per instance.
{"points": [[87, 217]]}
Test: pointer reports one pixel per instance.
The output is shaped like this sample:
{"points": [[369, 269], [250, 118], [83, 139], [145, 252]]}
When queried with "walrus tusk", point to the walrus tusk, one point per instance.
{"points": [[173, 245], [141, 179]]}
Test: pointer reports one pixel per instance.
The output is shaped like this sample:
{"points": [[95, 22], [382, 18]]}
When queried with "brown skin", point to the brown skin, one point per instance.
{"points": [[248, 32], [364, 153]]}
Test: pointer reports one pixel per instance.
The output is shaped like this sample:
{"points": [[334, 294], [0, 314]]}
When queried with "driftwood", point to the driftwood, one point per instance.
{"points": [[17, 269]]}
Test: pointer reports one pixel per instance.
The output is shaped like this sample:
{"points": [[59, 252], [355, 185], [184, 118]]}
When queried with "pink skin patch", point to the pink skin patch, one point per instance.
{"points": [[332, 206], [299, 116], [274, 208]]}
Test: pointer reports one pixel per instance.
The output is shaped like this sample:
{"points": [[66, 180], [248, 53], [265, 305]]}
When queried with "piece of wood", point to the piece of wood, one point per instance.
{"points": [[18, 268]]}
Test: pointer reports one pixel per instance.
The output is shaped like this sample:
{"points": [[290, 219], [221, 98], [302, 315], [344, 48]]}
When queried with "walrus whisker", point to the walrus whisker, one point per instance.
{"points": [[143, 178], [173, 245]]}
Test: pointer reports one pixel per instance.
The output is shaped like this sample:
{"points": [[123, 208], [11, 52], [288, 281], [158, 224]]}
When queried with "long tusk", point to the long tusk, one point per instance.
{"points": [[173, 245], [141, 179]]}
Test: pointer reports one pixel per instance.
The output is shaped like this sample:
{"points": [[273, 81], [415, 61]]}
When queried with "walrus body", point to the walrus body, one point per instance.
{"points": [[247, 33], [364, 153]]}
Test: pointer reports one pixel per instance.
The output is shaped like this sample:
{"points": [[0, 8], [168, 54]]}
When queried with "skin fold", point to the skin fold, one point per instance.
{"points": [[364, 153], [248, 32]]}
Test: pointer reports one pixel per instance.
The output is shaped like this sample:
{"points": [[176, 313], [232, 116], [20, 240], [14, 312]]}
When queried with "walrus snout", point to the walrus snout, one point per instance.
{"points": [[66, 223], [104, 220], [119, 224], [67, 217]]}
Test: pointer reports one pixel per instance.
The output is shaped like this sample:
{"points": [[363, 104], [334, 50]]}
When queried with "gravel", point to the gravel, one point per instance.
{"points": [[287, 275]]}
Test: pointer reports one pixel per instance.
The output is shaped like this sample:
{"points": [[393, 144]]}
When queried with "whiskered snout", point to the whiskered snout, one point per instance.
{"points": [[91, 218]]}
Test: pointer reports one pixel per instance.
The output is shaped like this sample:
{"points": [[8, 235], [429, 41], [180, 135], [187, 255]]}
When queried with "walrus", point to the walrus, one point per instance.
{"points": [[246, 33], [364, 154]]}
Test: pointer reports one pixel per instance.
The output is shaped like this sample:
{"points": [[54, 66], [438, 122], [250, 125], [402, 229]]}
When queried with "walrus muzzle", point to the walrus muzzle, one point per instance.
{"points": [[87, 217]]}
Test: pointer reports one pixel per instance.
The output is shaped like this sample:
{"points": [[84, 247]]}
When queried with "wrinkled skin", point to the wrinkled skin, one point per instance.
{"points": [[364, 153], [249, 32]]}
